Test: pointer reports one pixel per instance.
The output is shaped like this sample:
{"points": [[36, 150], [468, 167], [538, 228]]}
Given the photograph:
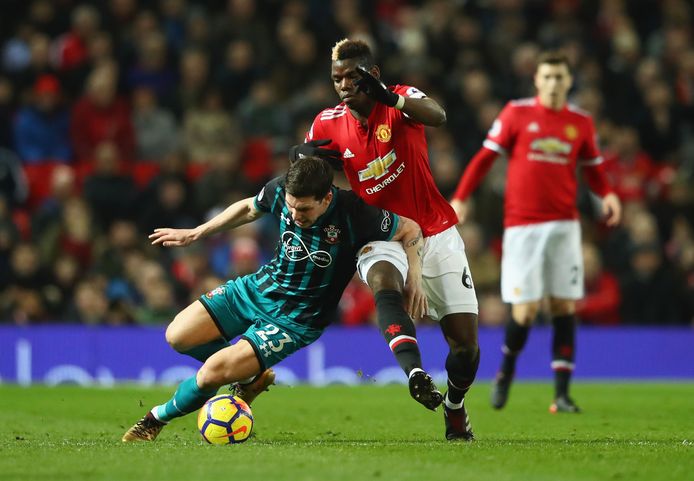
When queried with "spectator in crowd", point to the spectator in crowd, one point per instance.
{"points": [[39, 63], [109, 193], [600, 304], [72, 47], [209, 131], [100, 115], [90, 302], [23, 301], [152, 69], [651, 294], [156, 132], [194, 73], [42, 128]]}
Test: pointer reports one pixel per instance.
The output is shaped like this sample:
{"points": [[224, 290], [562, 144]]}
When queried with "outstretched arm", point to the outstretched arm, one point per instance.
{"points": [[473, 175], [410, 235], [238, 213]]}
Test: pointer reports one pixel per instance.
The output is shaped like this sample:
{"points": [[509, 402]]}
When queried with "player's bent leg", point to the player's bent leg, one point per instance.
{"points": [[563, 349], [228, 365], [516, 336], [386, 283], [399, 332], [462, 362], [383, 266], [193, 332]]}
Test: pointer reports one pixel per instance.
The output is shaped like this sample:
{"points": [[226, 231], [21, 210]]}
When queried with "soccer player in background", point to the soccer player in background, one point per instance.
{"points": [[376, 134], [287, 304], [545, 138]]}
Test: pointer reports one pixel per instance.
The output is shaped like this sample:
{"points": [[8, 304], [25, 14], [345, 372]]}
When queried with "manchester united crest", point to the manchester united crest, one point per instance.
{"points": [[331, 234], [383, 133], [571, 132]]}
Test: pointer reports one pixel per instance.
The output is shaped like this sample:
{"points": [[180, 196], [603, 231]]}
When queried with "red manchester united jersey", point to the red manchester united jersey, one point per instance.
{"points": [[387, 162], [544, 148]]}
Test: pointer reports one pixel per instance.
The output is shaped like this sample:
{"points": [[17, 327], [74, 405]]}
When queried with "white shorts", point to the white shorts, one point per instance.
{"points": [[446, 276], [542, 259]]}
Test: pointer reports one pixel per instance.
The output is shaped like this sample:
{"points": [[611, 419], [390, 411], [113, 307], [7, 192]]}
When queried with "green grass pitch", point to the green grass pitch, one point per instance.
{"points": [[627, 432]]}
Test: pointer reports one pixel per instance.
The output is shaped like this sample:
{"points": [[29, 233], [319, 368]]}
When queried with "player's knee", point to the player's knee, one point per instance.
{"points": [[466, 349], [562, 307], [525, 314], [175, 336], [384, 276]]}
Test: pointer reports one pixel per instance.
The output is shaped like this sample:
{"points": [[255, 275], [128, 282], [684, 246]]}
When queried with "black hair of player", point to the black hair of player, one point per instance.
{"points": [[309, 177], [554, 57]]}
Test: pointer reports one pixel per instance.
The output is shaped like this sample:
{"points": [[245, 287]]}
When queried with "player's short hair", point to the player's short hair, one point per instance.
{"points": [[309, 177], [553, 57], [357, 49]]}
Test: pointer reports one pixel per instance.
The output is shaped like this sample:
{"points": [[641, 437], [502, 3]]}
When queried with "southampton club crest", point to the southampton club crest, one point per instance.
{"points": [[331, 234], [215, 292]]}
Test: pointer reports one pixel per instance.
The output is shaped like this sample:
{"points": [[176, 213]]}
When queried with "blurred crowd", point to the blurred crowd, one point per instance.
{"points": [[120, 116]]}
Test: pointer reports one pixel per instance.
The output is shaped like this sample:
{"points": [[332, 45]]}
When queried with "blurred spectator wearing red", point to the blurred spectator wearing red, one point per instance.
{"points": [[101, 116], [600, 305]]}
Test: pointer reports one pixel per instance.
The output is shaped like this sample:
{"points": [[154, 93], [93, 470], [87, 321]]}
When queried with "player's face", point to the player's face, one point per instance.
{"points": [[553, 82], [306, 210], [344, 76]]}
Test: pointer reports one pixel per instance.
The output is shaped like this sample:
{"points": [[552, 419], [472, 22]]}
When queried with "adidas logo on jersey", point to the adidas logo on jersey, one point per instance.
{"points": [[533, 127], [348, 154]]}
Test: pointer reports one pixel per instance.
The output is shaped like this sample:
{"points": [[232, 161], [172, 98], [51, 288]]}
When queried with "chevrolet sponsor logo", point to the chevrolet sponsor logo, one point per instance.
{"points": [[551, 145], [378, 167]]}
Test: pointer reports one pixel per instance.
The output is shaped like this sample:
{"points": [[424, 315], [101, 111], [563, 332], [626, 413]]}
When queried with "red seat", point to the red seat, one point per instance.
{"points": [[143, 172], [39, 181]]}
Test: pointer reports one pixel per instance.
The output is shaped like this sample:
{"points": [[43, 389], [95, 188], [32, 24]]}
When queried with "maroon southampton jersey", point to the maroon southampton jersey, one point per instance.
{"points": [[544, 148], [387, 163]]}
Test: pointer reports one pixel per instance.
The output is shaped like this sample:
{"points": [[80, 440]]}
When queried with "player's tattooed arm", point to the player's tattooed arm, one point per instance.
{"points": [[419, 243], [410, 235]]}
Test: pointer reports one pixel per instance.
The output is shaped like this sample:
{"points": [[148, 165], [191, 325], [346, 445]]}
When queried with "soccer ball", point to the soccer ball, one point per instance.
{"points": [[225, 419]]}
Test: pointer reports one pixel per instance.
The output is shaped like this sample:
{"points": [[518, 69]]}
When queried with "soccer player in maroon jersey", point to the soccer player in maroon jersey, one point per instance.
{"points": [[376, 134], [545, 138]]}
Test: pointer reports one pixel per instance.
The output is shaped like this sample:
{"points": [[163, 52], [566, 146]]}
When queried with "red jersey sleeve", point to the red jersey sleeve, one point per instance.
{"points": [[591, 161], [474, 173], [502, 134]]}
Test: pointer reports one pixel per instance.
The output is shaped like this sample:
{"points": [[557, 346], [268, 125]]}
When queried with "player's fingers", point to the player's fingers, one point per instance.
{"points": [[320, 142], [410, 301]]}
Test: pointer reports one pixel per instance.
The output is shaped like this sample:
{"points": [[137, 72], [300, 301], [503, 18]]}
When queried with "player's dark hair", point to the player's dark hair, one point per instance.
{"points": [[553, 57], [309, 177], [353, 49]]}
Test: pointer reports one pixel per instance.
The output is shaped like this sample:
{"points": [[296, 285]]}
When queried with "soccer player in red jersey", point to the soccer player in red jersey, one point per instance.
{"points": [[377, 136], [545, 138]]}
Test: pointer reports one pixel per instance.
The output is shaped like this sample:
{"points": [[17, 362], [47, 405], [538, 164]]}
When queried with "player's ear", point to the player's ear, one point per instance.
{"points": [[375, 71], [328, 198]]}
